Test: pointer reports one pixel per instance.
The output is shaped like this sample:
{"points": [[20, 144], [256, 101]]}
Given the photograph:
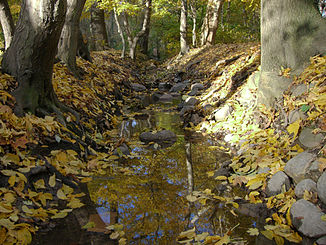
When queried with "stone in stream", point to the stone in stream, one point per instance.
{"points": [[277, 184], [178, 87], [166, 98], [138, 87], [198, 86], [310, 140], [298, 166], [321, 188], [122, 149], [306, 218], [305, 185], [164, 137]]}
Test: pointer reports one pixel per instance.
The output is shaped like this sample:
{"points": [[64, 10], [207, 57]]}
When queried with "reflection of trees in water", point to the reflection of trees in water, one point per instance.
{"points": [[151, 202]]}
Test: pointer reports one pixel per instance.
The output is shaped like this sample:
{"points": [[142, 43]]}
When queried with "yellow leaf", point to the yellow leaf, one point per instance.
{"points": [[61, 195], [253, 231], [67, 189], [323, 217], [43, 197], [9, 172], [24, 236], [85, 180], [279, 240], [3, 235], [268, 234], [89, 225], [294, 128], [9, 197], [60, 215], [210, 173], [224, 240], [5, 209], [7, 223], [27, 210], [12, 180], [39, 184], [52, 180], [221, 178], [75, 203]]}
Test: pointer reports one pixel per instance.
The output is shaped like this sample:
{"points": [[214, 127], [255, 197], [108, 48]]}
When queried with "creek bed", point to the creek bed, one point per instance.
{"points": [[148, 195]]}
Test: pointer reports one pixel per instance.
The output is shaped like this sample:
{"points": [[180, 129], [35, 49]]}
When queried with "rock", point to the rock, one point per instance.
{"points": [[195, 119], [277, 184], [264, 170], [296, 115], [193, 92], [191, 101], [164, 137], [123, 149], [306, 218], [178, 87], [166, 98], [198, 86], [164, 86], [186, 109], [298, 166], [305, 185], [310, 140], [299, 90], [222, 113], [314, 172], [138, 87], [321, 241], [321, 188], [156, 96]]}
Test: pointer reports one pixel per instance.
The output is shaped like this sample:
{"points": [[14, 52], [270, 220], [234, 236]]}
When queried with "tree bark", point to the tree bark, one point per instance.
{"points": [[211, 20], [123, 52], [193, 9], [31, 54], [184, 48], [67, 47], [7, 22], [190, 174], [291, 32], [146, 22], [82, 47], [98, 29]]}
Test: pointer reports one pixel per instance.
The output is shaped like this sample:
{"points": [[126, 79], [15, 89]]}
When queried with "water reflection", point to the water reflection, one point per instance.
{"points": [[150, 200]]}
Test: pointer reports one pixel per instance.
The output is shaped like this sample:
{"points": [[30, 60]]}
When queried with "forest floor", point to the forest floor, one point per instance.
{"points": [[44, 165]]}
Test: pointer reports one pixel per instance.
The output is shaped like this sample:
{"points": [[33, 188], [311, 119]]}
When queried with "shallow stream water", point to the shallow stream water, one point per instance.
{"points": [[148, 193]]}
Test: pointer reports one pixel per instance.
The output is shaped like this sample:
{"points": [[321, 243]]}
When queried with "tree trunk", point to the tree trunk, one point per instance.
{"points": [[184, 48], [143, 42], [31, 54], [193, 9], [291, 32], [134, 40], [123, 52], [67, 47], [98, 29], [7, 22], [82, 47], [211, 20]]}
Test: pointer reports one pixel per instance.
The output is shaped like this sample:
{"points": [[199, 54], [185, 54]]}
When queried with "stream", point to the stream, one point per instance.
{"points": [[148, 192]]}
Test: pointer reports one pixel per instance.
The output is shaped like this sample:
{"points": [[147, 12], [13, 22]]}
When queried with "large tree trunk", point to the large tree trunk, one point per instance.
{"points": [[134, 40], [291, 32], [211, 20], [123, 52], [67, 47], [98, 29], [7, 22], [184, 48], [31, 54]]}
